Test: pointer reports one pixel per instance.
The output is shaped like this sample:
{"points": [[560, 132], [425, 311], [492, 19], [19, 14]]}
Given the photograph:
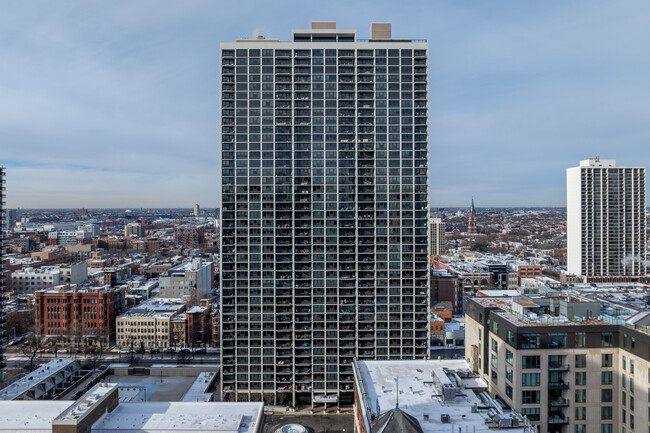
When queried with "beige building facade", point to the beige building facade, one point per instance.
{"points": [[566, 376], [148, 325]]}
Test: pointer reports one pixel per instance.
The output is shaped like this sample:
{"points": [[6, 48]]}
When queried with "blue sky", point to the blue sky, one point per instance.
{"points": [[116, 104]]}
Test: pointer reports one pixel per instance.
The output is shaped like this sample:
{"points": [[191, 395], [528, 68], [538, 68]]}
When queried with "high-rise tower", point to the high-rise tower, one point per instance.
{"points": [[471, 220], [324, 224], [2, 268], [437, 239], [606, 220]]}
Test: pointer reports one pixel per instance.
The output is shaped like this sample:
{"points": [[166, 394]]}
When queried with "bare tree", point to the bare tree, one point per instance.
{"points": [[34, 346]]}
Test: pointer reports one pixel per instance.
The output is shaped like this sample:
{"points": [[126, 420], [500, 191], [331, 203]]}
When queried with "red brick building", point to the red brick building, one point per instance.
{"points": [[199, 324], [81, 317], [528, 271]]}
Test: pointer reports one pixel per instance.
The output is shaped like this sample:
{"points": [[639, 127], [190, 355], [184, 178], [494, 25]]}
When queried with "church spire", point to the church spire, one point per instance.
{"points": [[471, 221]]}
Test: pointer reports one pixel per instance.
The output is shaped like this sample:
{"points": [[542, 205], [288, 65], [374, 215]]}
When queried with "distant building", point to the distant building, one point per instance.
{"points": [[197, 210], [133, 229], [191, 280], [9, 219], [606, 221], [71, 315], [471, 220], [29, 280], [71, 237], [189, 237], [93, 229], [528, 271], [52, 256], [438, 241], [74, 273]]}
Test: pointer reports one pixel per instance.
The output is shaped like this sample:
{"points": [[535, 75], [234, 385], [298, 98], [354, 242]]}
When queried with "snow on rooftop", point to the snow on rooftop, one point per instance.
{"points": [[420, 395], [81, 407], [182, 417], [21, 386], [497, 293], [33, 416], [199, 389]]}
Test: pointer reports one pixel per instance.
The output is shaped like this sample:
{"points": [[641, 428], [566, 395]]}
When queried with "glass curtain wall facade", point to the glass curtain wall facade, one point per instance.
{"points": [[324, 224]]}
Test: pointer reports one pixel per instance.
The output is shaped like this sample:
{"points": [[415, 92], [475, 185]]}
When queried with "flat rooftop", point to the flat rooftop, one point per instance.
{"points": [[33, 416], [199, 389], [420, 384], [182, 417], [80, 408]]}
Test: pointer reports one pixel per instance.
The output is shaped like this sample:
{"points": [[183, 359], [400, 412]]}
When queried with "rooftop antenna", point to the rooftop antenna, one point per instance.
{"points": [[397, 399]]}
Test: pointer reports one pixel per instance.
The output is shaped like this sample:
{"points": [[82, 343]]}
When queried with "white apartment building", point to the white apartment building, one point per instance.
{"points": [[437, 239], [68, 237], [606, 221], [28, 280], [75, 273], [191, 280], [133, 229]]}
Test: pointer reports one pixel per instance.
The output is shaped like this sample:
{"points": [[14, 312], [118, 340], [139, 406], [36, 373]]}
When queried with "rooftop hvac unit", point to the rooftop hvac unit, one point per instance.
{"points": [[445, 418]]}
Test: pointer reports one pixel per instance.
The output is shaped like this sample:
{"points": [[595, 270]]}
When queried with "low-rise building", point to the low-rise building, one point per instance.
{"points": [[190, 281], [72, 237], [148, 324], [188, 237], [29, 280], [70, 315], [42, 383], [52, 256], [427, 397], [74, 273], [101, 410]]}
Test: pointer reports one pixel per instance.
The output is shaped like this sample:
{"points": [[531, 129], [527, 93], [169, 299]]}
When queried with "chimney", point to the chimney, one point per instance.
{"points": [[380, 31], [323, 25]]}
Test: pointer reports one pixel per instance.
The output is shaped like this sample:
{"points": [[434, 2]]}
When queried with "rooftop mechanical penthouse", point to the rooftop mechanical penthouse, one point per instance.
{"points": [[324, 228]]}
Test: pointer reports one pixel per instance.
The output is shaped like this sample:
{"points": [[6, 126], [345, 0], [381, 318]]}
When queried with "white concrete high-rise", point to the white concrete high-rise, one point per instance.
{"points": [[324, 225], [437, 238], [606, 221]]}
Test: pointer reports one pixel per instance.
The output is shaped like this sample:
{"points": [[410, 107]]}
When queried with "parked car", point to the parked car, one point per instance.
{"points": [[201, 350], [89, 350], [186, 350], [154, 350], [123, 351], [140, 350], [170, 350]]}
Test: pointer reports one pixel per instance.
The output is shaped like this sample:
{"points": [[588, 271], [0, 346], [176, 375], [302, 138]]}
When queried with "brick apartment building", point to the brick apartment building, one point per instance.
{"points": [[188, 237], [528, 271], [52, 256], [70, 315]]}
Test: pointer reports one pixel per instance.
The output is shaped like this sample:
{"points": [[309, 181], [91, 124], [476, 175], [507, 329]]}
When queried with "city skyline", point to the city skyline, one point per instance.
{"points": [[99, 106]]}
